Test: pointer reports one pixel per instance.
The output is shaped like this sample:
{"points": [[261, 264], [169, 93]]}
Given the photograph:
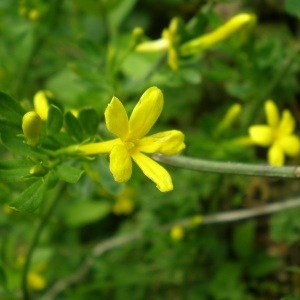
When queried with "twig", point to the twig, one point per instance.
{"points": [[202, 165], [35, 240], [109, 244]]}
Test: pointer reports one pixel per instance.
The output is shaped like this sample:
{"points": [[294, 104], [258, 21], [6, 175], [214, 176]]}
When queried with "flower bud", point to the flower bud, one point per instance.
{"points": [[41, 103], [235, 24], [177, 233], [32, 127], [37, 170]]}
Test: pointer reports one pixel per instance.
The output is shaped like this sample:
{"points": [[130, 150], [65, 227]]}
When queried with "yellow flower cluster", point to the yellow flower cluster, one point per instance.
{"points": [[170, 40]]}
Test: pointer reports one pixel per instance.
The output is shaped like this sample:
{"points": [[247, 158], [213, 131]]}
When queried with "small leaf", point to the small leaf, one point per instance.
{"points": [[85, 212], [106, 177], [14, 170], [89, 120], [68, 173], [31, 198], [10, 109], [74, 127], [11, 140], [54, 120]]}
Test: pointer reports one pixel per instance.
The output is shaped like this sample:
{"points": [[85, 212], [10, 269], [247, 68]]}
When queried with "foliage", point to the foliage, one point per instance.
{"points": [[68, 229]]}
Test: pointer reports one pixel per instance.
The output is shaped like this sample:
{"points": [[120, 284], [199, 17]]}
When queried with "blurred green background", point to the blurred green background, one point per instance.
{"points": [[105, 240]]}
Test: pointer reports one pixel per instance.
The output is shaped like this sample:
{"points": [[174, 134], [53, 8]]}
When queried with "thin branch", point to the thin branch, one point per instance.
{"points": [[35, 240], [115, 242], [202, 165]]}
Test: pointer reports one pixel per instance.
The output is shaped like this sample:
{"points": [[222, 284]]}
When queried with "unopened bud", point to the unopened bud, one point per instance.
{"points": [[37, 170], [32, 127]]}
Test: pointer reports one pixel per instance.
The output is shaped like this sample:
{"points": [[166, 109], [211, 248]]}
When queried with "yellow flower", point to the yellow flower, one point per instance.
{"points": [[167, 43], [235, 24], [277, 135], [131, 141], [177, 233]]}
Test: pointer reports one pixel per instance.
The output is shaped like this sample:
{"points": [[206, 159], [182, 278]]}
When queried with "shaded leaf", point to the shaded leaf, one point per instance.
{"points": [[68, 173], [54, 120], [85, 212], [30, 199], [14, 170]]}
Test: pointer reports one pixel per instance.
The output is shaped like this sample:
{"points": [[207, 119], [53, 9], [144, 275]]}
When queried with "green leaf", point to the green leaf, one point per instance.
{"points": [[31, 198], [3, 281], [106, 177], [89, 120], [85, 212], [243, 239], [74, 127], [14, 170], [54, 121], [10, 109], [11, 140], [68, 173], [292, 7], [119, 12]]}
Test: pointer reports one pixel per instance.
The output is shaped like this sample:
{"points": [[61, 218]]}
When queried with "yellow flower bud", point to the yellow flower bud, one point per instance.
{"points": [[37, 170], [41, 103], [34, 14], [32, 127], [36, 281], [230, 116], [177, 233], [232, 26]]}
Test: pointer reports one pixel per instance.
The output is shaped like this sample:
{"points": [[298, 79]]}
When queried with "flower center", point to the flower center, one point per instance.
{"points": [[130, 146]]}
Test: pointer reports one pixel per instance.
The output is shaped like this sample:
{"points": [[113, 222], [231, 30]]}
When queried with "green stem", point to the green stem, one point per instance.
{"points": [[35, 240], [229, 167]]}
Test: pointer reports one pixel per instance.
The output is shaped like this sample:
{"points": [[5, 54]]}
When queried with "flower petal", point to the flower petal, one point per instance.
{"points": [[261, 135], [290, 145], [154, 171], [276, 156], [153, 46], [98, 148], [287, 123], [272, 113], [116, 118], [168, 142], [120, 163], [146, 112]]}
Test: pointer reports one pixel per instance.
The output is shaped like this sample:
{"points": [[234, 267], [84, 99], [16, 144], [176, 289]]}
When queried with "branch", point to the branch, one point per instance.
{"points": [[202, 165], [115, 242]]}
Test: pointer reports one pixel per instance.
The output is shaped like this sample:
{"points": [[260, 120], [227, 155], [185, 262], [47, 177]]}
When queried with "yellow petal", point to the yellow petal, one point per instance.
{"points": [[153, 46], [287, 123], [272, 113], [261, 135], [120, 163], [98, 148], [276, 156], [146, 112], [154, 171], [168, 142], [116, 118], [41, 105], [290, 145]]}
